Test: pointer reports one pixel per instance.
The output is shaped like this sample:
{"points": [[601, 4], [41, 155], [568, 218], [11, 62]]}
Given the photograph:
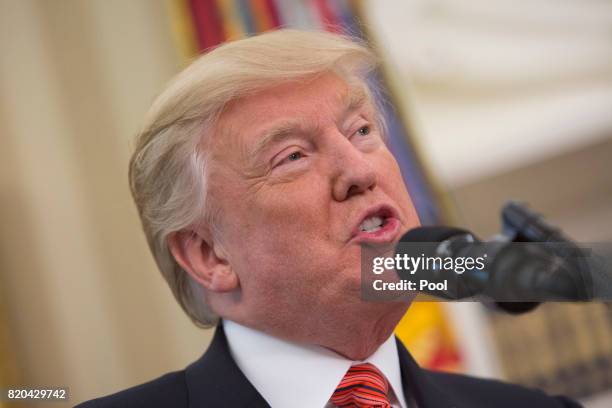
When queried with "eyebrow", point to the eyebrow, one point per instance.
{"points": [[355, 98], [272, 136]]}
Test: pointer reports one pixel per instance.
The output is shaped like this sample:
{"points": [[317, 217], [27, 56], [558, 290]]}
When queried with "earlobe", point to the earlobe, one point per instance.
{"points": [[224, 281], [197, 256]]}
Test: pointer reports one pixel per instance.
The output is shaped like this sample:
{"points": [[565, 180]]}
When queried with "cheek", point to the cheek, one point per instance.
{"points": [[274, 227], [292, 208], [389, 171], [392, 182]]}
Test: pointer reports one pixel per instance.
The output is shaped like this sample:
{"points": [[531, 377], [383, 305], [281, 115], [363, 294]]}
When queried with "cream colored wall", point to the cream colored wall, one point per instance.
{"points": [[87, 307], [497, 85]]}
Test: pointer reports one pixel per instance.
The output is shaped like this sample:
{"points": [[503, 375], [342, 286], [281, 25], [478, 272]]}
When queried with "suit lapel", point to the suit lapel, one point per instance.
{"points": [[216, 381], [418, 384]]}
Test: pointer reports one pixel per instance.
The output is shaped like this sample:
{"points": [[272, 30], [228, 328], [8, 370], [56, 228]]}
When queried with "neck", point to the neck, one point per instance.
{"points": [[354, 334], [359, 339]]}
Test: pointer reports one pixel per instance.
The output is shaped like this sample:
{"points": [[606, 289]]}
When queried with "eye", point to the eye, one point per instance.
{"points": [[364, 130], [294, 156]]}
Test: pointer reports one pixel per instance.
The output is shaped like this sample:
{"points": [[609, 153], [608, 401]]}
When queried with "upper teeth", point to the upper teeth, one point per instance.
{"points": [[371, 224]]}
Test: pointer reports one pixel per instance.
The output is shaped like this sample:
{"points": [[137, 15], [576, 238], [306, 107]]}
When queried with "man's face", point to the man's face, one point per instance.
{"points": [[296, 170]]}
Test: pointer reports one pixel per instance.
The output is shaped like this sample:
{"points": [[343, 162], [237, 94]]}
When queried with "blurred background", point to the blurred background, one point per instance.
{"points": [[493, 100]]}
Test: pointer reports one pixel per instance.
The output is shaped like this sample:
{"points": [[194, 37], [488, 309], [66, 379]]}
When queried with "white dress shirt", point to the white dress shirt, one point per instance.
{"points": [[288, 374]]}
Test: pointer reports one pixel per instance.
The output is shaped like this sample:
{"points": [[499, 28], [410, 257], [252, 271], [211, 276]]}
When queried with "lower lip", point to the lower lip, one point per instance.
{"points": [[387, 233]]}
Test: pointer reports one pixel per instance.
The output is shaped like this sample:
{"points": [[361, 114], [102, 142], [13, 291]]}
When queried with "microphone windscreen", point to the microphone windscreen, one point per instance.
{"points": [[432, 234]]}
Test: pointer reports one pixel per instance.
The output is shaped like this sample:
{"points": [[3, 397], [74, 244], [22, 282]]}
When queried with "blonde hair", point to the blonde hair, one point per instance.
{"points": [[168, 170]]}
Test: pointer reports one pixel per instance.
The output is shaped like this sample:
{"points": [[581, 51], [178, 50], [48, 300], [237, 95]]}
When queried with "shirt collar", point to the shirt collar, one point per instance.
{"points": [[284, 372]]}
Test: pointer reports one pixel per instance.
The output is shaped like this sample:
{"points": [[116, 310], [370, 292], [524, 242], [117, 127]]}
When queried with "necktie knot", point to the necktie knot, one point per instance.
{"points": [[362, 386]]}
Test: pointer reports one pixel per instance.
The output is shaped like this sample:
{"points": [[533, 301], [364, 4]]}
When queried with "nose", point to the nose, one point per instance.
{"points": [[352, 171]]}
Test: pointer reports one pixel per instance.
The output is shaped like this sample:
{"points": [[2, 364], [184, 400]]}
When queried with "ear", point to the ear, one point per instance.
{"points": [[197, 256]]}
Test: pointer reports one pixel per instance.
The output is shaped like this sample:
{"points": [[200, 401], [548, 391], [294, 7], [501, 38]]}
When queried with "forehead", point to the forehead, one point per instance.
{"points": [[320, 99]]}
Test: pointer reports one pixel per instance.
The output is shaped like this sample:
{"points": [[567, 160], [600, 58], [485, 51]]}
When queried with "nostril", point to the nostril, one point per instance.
{"points": [[354, 189]]}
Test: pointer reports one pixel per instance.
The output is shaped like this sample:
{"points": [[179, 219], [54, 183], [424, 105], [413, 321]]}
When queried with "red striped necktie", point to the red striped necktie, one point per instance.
{"points": [[362, 386]]}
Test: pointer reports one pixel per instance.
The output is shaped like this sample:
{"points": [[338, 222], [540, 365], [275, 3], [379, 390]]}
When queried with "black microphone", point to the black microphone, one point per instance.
{"points": [[511, 272]]}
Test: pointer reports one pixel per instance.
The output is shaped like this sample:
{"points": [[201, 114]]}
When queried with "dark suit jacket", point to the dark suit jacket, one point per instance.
{"points": [[216, 381]]}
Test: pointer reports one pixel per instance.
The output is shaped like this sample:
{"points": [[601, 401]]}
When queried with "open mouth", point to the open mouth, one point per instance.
{"points": [[380, 224], [373, 224]]}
